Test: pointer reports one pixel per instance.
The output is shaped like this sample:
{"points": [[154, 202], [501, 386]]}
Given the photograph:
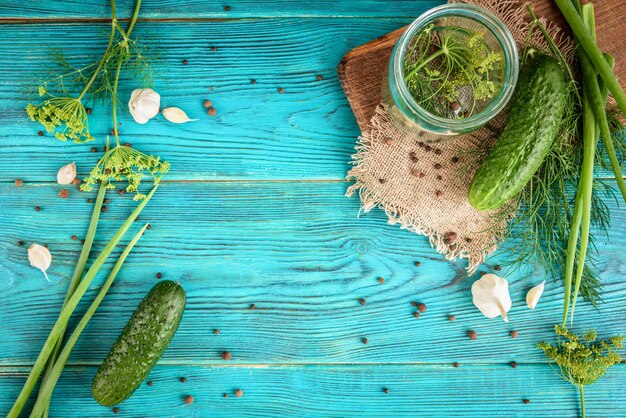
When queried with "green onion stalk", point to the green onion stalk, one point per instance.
{"points": [[68, 309], [47, 387], [595, 93], [589, 48], [78, 273]]}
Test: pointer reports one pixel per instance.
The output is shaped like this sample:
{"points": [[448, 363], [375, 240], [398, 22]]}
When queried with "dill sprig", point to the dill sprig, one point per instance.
{"points": [[56, 106], [450, 64], [582, 360], [64, 113], [122, 163]]}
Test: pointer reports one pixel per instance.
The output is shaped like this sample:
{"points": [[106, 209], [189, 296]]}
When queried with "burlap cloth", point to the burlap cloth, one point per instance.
{"points": [[422, 185]]}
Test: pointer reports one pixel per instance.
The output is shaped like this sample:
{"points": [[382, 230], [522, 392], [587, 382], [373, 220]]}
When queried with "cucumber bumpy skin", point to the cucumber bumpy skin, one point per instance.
{"points": [[140, 345], [534, 120]]}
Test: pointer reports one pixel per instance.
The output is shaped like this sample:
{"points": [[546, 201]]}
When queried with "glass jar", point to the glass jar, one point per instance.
{"points": [[404, 108]]}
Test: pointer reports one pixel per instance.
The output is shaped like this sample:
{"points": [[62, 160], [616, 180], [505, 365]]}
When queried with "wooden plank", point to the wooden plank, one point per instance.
{"points": [[361, 70], [338, 391], [298, 252], [195, 9], [307, 132]]}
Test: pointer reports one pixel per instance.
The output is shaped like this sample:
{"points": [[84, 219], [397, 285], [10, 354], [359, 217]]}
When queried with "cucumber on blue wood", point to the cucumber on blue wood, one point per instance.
{"points": [[533, 123], [140, 345]]}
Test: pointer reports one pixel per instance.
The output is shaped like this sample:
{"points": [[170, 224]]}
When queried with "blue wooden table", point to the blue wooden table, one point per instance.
{"points": [[253, 212]]}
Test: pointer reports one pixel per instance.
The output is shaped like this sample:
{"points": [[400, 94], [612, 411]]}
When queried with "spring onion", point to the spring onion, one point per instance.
{"points": [[67, 311], [592, 50], [47, 386], [78, 271]]}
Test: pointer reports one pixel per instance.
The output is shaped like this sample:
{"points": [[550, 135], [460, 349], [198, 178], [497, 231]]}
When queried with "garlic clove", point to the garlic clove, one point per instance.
{"points": [[533, 295], [491, 296], [140, 119], [66, 174], [40, 257], [144, 104], [176, 115]]}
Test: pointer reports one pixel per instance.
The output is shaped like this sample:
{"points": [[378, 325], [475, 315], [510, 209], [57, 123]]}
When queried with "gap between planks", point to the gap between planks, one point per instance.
{"points": [[58, 20], [48, 183], [304, 365]]}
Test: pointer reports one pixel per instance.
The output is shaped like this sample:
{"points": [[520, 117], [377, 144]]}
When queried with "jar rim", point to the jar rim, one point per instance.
{"points": [[500, 32]]}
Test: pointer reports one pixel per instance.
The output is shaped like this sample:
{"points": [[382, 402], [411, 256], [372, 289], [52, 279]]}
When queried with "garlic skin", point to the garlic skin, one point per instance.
{"points": [[40, 257], [491, 296], [176, 115], [144, 104], [533, 295], [66, 174]]}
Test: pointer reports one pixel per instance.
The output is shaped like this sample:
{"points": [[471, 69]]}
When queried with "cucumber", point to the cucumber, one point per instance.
{"points": [[140, 345], [534, 120]]}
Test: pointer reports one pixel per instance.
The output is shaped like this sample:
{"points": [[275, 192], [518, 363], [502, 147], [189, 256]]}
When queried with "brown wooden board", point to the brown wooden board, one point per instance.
{"points": [[361, 70]]}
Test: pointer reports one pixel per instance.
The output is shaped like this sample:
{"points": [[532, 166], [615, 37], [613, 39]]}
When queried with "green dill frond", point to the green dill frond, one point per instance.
{"points": [[62, 78], [65, 116], [135, 58], [582, 360], [138, 65], [128, 165]]}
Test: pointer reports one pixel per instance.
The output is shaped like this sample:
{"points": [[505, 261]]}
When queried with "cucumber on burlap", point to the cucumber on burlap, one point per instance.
{"points": [[533, 123]]}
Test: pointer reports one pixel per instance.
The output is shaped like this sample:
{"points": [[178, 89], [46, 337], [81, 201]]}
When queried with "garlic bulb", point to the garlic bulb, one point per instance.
{"points": [[176, 115], [144, 104], [491, 296], [66, 174], [533, 295], [40, 257]]}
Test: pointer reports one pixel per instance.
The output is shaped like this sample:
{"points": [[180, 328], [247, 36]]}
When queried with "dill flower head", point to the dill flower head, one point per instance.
{"points": [[582, 360], [65, 116], [126, 164]]}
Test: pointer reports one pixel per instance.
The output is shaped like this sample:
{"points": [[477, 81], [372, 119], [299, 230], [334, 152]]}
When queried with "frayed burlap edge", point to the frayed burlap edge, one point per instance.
{"points": [[406, 200]]}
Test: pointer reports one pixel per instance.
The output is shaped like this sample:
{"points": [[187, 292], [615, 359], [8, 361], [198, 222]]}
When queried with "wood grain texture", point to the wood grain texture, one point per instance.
{"points": [[271, 227], [338, 391], [361, 70], [198, 9], [300, 254], [306, 132]]}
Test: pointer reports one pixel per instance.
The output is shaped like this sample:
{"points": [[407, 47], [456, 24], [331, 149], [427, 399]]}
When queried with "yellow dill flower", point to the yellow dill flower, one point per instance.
{"points": [[582, 360], [124, 163], [475, 40], [65, 116]]}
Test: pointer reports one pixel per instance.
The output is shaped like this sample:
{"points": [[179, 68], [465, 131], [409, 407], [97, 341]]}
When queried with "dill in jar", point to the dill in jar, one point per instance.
{"points": [[451, 71]]}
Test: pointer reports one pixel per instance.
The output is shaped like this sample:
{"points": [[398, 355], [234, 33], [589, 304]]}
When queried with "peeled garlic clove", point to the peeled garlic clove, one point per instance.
{"points": [[144, 104], [40, 257], [66, 174], [176, 115], [533, 295], [491, 296]]}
